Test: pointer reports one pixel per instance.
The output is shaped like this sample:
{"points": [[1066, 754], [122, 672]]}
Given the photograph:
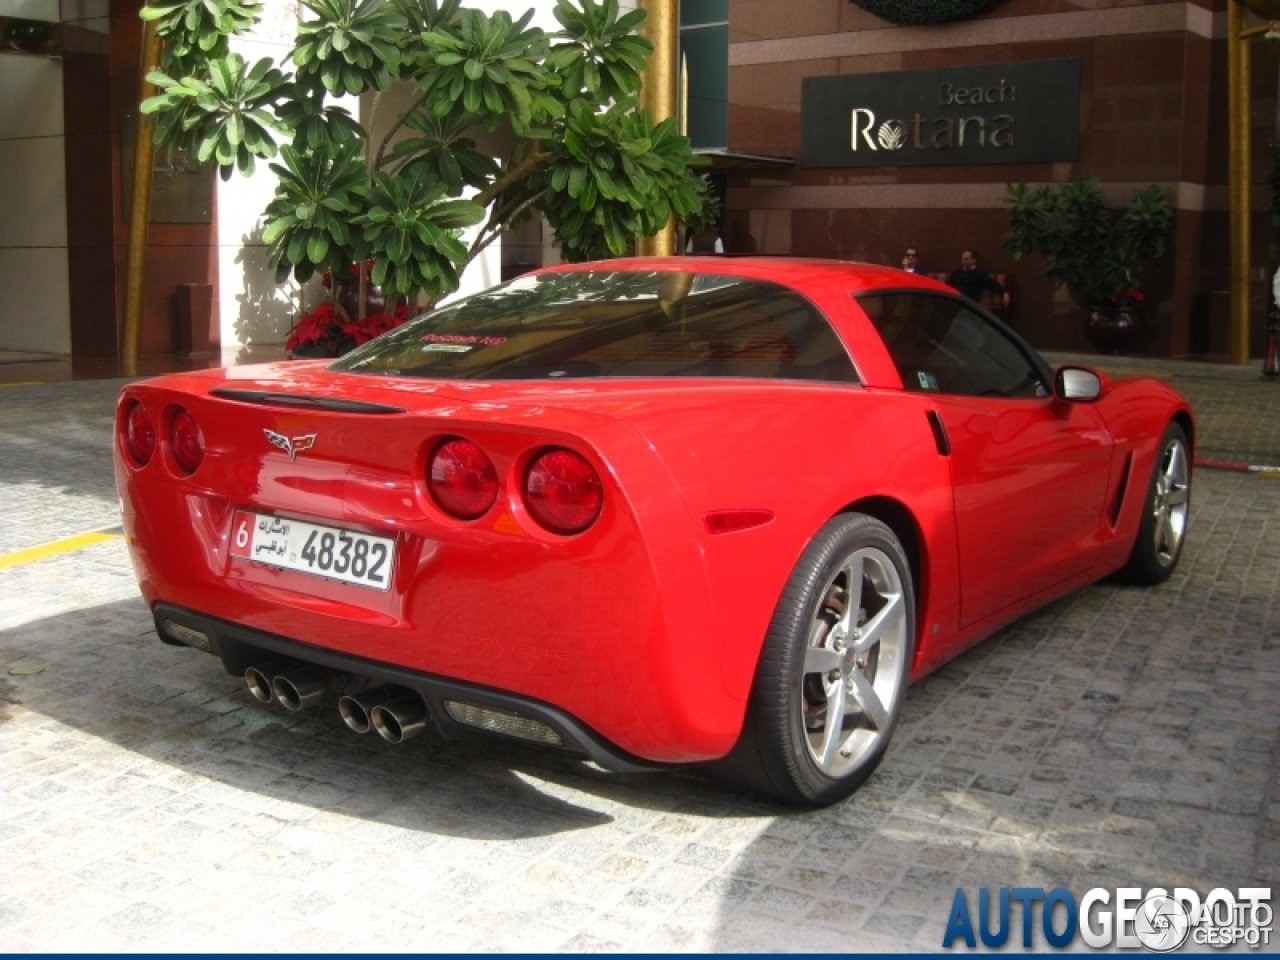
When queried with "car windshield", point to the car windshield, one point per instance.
{"points": [[615, 324]]}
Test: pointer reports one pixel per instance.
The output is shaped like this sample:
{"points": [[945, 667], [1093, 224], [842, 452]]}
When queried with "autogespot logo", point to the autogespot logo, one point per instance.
{"points": [[1156, 920]]}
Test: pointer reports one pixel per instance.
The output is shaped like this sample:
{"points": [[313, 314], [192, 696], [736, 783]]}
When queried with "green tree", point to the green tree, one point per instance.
{"points": [[1096, 252], [582, 153]]}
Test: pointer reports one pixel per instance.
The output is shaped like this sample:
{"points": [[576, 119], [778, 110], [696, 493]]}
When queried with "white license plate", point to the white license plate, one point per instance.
{"points": [[323, 551]]}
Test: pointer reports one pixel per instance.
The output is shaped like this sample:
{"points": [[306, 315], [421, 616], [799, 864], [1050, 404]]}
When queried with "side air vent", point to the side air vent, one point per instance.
{"points": [[1120, 491], [940, 437], [302, 401]]}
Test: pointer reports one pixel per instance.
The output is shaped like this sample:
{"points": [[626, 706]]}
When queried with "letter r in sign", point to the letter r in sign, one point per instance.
{"points": [[864, 129]]}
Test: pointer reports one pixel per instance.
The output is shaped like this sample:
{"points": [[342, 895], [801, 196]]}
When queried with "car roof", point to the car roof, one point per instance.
{"points": [[789, 271]]}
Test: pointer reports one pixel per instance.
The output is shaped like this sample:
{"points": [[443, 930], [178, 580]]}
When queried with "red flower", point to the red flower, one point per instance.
{"points": [[1132, 295], [324, 327], [313, 327]]}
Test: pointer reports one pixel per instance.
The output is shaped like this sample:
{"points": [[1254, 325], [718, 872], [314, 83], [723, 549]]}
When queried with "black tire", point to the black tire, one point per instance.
{"points": [[778, 750], [1149, 562]]}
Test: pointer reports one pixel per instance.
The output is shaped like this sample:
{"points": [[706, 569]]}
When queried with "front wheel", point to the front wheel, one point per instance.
{"points": [[1164, 513], [833, 672]]}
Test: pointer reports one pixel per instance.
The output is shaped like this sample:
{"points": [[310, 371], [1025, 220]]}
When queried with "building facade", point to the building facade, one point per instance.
{"points": [[1125, 91], [833, 133]]}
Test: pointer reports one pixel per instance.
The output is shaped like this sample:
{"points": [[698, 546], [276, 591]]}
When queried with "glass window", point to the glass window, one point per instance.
{"points": [[940, 345], [615, 324], [705, 53], [697, 12]]}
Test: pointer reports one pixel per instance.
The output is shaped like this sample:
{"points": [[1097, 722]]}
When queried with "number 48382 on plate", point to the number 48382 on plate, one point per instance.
{"points": [[323, 551]]}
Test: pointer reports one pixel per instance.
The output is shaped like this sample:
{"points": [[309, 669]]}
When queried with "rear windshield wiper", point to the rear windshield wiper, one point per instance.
{"points": [[304, 401]]}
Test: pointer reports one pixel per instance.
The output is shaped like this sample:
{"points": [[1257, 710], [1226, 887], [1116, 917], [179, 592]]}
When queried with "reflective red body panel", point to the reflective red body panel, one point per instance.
{"points": [[647, 625]]}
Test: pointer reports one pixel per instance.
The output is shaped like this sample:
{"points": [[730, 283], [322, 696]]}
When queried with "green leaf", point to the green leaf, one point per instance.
{"points": [[317, 246], [276, 228]]}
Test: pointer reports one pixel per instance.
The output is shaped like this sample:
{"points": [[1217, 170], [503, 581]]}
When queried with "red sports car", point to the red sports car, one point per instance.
{"points": [[656, 512]]}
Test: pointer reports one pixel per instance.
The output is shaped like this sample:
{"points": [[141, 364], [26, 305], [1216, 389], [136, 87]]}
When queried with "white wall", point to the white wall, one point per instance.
{"points": [[35, 309], [484, 271], [253, 310]]}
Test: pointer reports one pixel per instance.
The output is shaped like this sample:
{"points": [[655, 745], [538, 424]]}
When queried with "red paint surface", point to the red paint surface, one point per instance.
{"points": [[646, 626]]}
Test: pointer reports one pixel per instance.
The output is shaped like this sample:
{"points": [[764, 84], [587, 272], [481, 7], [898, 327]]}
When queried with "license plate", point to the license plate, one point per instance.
{"points": [[314, 548]]}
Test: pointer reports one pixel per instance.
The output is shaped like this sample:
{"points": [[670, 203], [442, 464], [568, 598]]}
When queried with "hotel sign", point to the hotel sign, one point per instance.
{"points": [[995, 113]]}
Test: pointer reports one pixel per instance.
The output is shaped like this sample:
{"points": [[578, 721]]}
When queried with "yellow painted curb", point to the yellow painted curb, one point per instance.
{"points": [[23, 383], [45, 550]]}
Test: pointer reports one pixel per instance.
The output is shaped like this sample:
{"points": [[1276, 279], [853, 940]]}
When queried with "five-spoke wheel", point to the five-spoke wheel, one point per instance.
{"points": [[1164, 518], [831, 679], [851, 667]]}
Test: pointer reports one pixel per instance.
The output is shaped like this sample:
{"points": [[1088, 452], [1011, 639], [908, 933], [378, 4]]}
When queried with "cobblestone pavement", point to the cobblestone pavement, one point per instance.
{"points": [[1120, 737]]}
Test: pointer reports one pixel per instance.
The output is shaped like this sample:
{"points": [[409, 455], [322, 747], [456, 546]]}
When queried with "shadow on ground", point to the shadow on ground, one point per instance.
{"points": [[1118, 737]]}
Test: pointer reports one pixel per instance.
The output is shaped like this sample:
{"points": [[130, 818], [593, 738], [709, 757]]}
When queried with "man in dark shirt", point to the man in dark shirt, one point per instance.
{"points": [[911, 261], [708, 241], [972, 280]]}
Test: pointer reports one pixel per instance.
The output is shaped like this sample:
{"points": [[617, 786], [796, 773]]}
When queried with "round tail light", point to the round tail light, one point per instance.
{"points": [[462, 479], [185, 440], [562, 491], [139, 434]]}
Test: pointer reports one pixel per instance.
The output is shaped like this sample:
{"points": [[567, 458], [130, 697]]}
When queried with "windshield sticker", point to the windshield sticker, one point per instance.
{"points": [[927, 380], [442, 338], [447, 347]]}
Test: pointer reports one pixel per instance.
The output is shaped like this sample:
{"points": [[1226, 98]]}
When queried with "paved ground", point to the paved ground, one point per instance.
{"points": [[1120, 737]]}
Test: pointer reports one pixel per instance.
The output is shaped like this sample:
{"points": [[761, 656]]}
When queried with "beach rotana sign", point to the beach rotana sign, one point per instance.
{"points": [[994, 113]]}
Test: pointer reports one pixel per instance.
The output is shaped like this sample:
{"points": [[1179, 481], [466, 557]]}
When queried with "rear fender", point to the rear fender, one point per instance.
{"points": [[852, 444]]}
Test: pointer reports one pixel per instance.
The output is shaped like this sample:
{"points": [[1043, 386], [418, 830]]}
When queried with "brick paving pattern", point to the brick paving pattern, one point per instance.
{"points": [[1119, 737]]}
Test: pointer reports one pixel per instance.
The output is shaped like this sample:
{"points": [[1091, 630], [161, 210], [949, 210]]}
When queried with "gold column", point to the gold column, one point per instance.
{"points": [[658, 96], [140, 208], [1238, 114]]}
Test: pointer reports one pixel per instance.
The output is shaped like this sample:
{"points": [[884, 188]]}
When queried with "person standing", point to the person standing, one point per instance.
{"points": [[972, 280], [911, 261], [707, 241]]}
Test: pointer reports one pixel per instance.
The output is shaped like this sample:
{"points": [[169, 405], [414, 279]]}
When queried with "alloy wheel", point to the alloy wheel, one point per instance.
{"points": [[852, 675], [1170, 502]]}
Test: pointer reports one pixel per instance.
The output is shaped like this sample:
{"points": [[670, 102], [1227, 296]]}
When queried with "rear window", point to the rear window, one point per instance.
{"points": [[615, 324]]}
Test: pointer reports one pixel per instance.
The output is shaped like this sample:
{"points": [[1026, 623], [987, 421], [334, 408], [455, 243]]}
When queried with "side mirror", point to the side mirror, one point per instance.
{"points": [[1077, 384]]}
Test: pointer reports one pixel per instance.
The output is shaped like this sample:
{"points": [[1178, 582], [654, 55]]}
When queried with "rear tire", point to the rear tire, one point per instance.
{"points": [[1165, 513], [832, 675]]}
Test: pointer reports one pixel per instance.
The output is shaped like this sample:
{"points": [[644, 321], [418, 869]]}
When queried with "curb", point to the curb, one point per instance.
{"points": [[1263, 469]]}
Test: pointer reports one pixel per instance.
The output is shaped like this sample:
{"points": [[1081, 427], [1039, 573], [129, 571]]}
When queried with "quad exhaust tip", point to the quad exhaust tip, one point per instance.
{"points": [[397, 715], [355, 708], [400, 719], [296, 687], [299, 689], [258, 680]]}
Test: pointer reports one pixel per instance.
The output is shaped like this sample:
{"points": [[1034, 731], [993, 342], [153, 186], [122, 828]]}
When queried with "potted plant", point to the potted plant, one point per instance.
{"points": [[354, 313], [1096, 252]]}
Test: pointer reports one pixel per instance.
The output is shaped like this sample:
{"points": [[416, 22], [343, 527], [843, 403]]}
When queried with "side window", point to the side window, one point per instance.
{"points": [[939, 345]]}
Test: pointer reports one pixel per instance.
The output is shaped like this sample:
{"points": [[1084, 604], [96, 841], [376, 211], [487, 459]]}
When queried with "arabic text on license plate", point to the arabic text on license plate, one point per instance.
{"points": [[332, 552]]}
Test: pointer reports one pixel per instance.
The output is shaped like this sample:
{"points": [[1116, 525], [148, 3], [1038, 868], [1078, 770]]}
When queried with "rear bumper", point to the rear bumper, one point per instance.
{"points": [[615, 627], [241, 647]]}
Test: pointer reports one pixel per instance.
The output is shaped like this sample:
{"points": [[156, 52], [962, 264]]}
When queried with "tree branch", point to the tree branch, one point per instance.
{"points": [[512, 176], [482, 241], [400, 122]]}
